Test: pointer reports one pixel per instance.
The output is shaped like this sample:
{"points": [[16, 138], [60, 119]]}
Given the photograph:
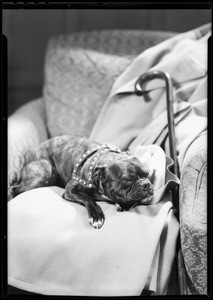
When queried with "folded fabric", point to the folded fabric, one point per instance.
{"points": [[127, 118], [189, 124], [52, 249]]}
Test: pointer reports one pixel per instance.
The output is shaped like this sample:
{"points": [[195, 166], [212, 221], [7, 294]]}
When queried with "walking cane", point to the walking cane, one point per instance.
{"points": [[140, 83]]}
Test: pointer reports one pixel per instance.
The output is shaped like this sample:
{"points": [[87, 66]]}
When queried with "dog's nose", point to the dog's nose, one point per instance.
{"points": [[147, 186]]}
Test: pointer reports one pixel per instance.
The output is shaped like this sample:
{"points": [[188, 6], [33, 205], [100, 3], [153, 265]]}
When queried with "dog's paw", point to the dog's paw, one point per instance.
{"points": [[96, 215], [118, 207], [97, 224]]}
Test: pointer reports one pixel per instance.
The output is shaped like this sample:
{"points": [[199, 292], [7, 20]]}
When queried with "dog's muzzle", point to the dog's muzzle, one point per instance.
{"points": [[146, 185], [142, 189]]}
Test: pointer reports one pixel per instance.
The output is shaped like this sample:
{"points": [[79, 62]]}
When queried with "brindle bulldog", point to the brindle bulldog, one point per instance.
{"points": [[89, 172]]}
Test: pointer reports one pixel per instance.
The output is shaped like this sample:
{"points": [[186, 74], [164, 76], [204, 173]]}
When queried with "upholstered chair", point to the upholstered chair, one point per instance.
{"points": [[79, 71]]}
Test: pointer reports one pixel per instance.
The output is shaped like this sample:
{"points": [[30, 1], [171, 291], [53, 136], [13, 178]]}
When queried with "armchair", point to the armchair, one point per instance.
{"points": [[80, 69]]}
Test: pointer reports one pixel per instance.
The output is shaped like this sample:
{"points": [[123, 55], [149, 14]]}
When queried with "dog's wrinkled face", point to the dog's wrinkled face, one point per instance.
{"points": [[124, 180]]}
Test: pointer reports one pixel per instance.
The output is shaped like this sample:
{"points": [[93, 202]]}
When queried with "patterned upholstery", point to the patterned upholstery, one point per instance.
{"points": [[115, 42], [193, 217], [26, 130], [79, 71]]}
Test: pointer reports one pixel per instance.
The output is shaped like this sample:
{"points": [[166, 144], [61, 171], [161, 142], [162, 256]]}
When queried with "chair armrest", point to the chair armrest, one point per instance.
{"points": [[26, 130], [193, 215]]}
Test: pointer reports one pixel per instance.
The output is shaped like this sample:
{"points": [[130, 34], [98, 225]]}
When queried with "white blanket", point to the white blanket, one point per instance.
{"points": [[53, 250]]}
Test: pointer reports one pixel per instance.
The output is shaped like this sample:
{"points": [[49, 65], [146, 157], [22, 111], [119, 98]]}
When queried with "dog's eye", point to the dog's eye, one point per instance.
{"points": [[126, 181]]}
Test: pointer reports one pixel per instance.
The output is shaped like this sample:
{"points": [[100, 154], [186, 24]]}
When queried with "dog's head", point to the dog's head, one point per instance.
{"points": [[124, 179]]}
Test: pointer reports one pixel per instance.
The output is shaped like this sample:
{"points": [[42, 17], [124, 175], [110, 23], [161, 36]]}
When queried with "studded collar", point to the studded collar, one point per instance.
{"points": [[95, 152]]}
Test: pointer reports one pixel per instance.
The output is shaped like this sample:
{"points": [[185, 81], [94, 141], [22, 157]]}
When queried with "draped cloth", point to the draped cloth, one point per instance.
{"points": [[52, 249], [128, 120]]}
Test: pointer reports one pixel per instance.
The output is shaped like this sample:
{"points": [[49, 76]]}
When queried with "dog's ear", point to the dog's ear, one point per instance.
{"points": [[100, 173]]}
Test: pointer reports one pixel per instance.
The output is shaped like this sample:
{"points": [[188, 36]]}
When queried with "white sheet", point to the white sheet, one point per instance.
{"points": [[52, 249]]}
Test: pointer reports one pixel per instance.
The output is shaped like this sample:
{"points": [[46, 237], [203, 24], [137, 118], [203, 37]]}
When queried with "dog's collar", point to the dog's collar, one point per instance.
{"points": [[97, 151]]}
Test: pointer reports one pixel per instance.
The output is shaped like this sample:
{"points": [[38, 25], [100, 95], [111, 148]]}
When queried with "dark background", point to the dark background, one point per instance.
{"points": [[28, 32]]}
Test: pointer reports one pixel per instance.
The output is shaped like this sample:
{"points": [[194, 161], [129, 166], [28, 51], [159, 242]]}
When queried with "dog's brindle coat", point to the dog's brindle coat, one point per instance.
{"points": [[89, 172]]}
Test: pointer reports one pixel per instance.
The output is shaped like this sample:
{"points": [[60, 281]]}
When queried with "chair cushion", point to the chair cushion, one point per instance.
{"points": [[80, 69]]}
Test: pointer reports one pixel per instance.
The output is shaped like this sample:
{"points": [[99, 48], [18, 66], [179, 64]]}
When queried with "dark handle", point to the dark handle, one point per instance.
{"points": [[142, 80]]}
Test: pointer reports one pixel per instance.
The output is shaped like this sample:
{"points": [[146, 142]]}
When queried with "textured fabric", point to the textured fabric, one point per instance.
{"points": [[53, 250], [193, 217], [80, 70], [26, 129]]}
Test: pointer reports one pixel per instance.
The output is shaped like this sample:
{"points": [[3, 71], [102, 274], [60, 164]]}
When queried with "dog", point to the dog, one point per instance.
{"points": [[89, 172]]}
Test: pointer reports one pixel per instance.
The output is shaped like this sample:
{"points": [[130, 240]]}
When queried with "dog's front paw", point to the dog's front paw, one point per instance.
{"points": [[96, 217], [97, 224], [118, 207]]}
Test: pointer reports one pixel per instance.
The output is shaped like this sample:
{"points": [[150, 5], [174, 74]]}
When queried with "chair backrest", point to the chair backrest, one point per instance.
{"points": [[80, 69]]}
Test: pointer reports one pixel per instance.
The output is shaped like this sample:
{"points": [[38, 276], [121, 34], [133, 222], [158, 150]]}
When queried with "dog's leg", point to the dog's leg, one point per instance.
{"points": [[35, 174], [76, 192], [119, 207]]}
